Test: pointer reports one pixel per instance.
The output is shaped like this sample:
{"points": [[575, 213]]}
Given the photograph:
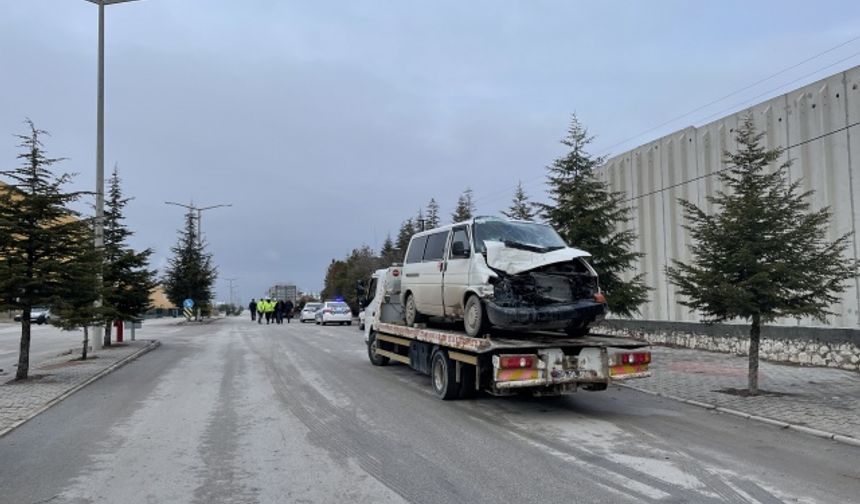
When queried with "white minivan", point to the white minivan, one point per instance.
{"points": [[510, 274]]}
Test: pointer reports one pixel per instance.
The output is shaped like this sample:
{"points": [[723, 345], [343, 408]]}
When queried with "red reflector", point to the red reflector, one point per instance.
{"points": [[395, 272], [634, 358], [516, 361]]}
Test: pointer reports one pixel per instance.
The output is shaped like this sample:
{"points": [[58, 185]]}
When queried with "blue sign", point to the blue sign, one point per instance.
{"points": [[188, 303]]}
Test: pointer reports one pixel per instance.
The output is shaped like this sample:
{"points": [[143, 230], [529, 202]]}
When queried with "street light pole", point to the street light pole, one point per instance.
{"points": [[199, 211], [99, 243]]}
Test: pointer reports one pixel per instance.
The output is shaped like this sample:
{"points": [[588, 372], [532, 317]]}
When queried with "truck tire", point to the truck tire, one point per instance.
{"points": [[475, 317], [411, 312], [376, 360], [442, 376]]}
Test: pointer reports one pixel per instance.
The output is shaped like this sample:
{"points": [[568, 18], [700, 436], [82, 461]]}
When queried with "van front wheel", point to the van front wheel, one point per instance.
{"points": [[475, 317]]}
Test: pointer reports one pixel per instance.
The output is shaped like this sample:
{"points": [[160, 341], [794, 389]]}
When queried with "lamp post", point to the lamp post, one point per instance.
{"points": [[199, 211], [100, 154]]}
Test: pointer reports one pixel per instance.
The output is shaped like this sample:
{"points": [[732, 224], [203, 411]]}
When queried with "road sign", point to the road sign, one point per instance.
{"points": [[188, 303], [189, 313]]}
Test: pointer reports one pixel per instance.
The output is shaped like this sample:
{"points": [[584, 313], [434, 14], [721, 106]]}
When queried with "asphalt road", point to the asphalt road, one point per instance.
{"points": [[238, 412]]}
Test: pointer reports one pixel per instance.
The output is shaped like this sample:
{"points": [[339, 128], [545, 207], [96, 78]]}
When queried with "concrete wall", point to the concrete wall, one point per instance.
{"points": [[836, 348], [818, 125]]}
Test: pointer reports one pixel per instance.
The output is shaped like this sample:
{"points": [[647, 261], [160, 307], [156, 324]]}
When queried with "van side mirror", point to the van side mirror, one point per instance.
{"points": [[458, 249]]}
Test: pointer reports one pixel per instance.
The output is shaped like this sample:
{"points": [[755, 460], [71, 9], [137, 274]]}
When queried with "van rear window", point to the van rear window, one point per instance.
{"points": [[416, 249]]}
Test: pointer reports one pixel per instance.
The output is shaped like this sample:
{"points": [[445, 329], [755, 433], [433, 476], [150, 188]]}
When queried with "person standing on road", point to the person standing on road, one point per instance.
{"points": [[261, 310], [252, 307], [288, 310], [279, 312], [270, 309]]}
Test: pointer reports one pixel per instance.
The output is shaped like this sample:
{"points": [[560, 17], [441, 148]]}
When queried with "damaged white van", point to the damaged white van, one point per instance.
{"points": [[497, 272]]}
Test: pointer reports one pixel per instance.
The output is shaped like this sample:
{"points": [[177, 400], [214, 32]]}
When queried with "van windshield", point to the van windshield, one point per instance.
{"points": [[524, 235]]}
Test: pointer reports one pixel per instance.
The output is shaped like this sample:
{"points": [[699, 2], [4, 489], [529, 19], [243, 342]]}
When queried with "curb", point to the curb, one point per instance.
{"points": [[841, 438], [153, 344]]}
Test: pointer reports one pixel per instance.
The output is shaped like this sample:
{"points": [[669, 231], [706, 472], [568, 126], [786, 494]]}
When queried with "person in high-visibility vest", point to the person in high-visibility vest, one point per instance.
{"points": [[261, 310], [270, 310]]}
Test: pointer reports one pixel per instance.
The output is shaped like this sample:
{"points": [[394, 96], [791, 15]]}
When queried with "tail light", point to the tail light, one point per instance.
{"points": [[600, 298], [516, 361], [395, 272], [621, 359]]}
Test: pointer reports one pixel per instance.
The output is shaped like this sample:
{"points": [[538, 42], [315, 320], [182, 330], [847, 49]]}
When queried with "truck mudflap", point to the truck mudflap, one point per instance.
{"points": [[552, 368]]}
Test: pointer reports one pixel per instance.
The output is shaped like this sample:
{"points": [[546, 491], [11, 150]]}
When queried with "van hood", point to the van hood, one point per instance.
{"points": [[514, 261]]}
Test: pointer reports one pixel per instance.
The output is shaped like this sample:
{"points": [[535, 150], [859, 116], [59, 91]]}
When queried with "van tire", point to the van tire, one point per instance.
{"points": [[443, 377], [475, 317], [376, 360], [411, 312]]}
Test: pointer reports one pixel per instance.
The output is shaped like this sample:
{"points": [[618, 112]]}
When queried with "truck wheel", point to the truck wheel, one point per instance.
{"points": [[376, 360], [412, 315], [475, 318], [442, 376]]}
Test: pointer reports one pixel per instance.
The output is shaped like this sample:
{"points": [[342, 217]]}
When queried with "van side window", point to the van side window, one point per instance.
{"points": [[416, 249], [435, 249], [460, 252]]}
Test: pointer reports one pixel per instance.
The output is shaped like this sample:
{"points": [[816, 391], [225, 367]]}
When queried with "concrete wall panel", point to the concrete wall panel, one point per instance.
{"points": [[817, 123]]}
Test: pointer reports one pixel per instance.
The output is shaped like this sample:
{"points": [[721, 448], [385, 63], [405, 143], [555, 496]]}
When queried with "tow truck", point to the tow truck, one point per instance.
{"points": [[500, 362]]}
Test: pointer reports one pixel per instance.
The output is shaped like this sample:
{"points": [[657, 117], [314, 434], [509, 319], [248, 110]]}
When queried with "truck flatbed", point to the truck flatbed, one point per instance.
{"points": [[502, 341]]}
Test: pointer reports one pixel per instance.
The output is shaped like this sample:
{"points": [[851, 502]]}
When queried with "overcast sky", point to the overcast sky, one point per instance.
{"points": [[325, 124]]}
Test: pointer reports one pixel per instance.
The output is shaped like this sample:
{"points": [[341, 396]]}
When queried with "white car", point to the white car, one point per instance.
{"points": [[308, 312], [334, 312]]}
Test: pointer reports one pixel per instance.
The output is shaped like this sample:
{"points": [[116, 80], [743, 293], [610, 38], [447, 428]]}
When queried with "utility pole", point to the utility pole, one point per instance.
{"points": [[230, 282]]}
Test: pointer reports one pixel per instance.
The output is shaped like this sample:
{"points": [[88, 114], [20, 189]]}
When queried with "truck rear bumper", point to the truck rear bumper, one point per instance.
{"points": [[556, 316]]}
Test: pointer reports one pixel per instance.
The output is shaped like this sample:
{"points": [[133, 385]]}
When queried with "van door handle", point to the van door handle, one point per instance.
{"points": [[411, 275]]}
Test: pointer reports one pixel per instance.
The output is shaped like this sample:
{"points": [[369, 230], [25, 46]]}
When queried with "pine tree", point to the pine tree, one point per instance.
{"points": [[420, 223], [465, 209], [43, 242], [587, 214], [127, 282], [405, 233], [433, 219], [190, 273], [521, 208], [763, 254], [388, 254]]}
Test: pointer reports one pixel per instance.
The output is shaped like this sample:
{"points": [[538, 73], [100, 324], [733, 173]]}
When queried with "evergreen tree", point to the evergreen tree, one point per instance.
{"points": [[465, 209], [420, 223], [403, 236], [388, 254], [190, 273], [433, 219], [127, 282], [586, 213], [44, 245], [521, 208], [763, 254]]}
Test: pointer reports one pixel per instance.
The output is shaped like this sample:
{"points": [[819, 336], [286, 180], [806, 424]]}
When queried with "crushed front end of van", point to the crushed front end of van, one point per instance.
{"points": [[536, 290]]}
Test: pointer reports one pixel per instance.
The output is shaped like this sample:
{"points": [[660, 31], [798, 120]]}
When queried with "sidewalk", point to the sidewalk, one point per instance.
{"points": [[55, 379], [822, 399]]}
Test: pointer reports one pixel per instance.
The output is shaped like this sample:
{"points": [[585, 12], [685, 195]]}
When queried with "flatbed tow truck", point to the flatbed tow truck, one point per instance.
{"points": [[500, 363]]}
